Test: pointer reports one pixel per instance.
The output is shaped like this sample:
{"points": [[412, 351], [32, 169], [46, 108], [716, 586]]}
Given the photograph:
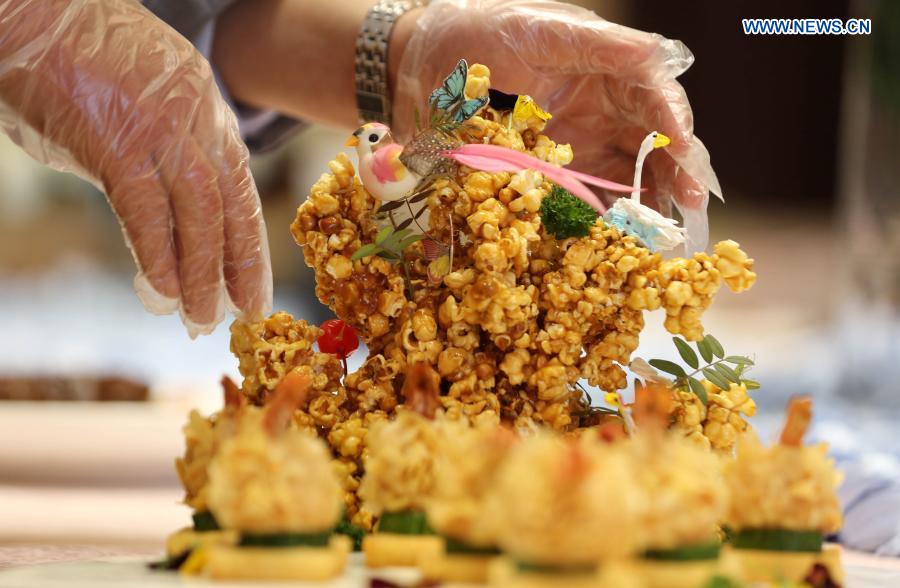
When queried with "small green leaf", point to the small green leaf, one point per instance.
{"points": [[751, 384], [364, 251], [383, 234], [728, 373], [388, 255], [739, 370], [420, 196], [687, 354], [705, 350], [714, 377], [716, 347], [410, 240], [668, 366], [392, 242], [392, 205], [405, 223], [698, 389], [739, 360]]}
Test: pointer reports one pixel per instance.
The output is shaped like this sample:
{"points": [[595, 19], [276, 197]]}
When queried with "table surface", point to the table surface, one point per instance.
{"points": [[93, 564]]}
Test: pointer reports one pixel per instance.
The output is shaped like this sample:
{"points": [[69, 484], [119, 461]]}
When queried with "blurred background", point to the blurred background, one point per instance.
{"points": [[804, 134]]}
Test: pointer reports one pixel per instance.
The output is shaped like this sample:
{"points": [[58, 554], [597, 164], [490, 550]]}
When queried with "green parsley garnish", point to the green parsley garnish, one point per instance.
{"points": [[564, 215]]}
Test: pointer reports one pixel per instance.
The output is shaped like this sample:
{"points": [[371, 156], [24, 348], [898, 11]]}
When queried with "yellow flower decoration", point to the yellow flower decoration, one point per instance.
{"points": [[526, 107], [612, 399]]}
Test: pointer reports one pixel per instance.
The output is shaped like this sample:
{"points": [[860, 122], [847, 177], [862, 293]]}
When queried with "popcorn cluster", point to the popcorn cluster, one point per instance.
{"points": [[719, 424], [202, 437], [267, 350]]}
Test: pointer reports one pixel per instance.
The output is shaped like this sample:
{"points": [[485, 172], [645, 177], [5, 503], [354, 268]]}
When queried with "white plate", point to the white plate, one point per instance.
{"points": [[118, 572], [130, 572]]}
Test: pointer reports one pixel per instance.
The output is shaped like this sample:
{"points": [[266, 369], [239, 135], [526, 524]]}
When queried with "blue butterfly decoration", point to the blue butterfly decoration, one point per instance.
{"points": [[450, 97]]}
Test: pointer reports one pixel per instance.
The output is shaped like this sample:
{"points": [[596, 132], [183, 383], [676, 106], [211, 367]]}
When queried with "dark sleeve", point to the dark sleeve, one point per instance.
{"points": [[188, 17], [194, 19]]}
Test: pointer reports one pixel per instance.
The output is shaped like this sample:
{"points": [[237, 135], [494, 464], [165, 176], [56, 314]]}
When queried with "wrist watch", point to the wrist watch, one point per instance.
{"points": [[373, 99]]}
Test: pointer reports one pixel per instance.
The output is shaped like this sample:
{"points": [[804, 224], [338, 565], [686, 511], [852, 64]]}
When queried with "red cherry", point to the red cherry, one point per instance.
{"points": [[338, 338]]}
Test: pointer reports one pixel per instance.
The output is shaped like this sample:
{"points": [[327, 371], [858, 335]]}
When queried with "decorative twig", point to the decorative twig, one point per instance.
{"points": [[718, 371], [406, 277]]}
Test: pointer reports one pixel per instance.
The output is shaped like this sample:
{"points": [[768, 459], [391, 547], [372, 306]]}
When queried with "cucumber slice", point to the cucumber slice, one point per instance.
{"points": [[205, 521], [551, 569], [172, 562], [404, 522], [345, 527], [696, 552], [285, 539], [778, 540], [462, 548]]}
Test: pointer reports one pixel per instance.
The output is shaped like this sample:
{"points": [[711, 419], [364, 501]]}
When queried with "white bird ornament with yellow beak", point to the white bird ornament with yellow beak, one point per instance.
{"points": [[655, 231]]}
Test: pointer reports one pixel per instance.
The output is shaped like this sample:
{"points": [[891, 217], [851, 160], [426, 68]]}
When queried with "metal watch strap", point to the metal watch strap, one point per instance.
{"points": [[372, 92]]}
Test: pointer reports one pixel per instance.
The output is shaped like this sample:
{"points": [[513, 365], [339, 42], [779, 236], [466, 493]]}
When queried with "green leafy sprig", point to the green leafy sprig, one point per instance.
{"points": [[719, 368], [565, 215], [389, 244]]}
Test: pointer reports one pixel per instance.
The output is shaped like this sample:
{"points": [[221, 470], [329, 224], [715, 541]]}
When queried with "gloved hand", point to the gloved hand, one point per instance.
{"points": [[111, 93], [606, 86]]}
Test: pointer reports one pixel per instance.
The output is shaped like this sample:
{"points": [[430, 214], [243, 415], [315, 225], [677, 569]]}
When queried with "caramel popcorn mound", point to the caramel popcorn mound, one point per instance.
{"points": [[519, 318]]}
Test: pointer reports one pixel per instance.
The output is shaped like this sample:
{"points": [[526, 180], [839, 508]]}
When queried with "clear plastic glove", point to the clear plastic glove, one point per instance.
{"points": [[111, 93], [606, 86]]}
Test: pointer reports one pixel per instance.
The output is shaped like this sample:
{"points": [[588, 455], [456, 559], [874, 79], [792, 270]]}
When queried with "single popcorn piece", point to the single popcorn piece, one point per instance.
{"points": [[203, 436], [478, 81], [734, 266]]}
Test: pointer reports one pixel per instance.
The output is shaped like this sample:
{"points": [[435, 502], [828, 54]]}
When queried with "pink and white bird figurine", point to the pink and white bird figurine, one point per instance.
{"points": [[382, 172], [395, 173]]}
